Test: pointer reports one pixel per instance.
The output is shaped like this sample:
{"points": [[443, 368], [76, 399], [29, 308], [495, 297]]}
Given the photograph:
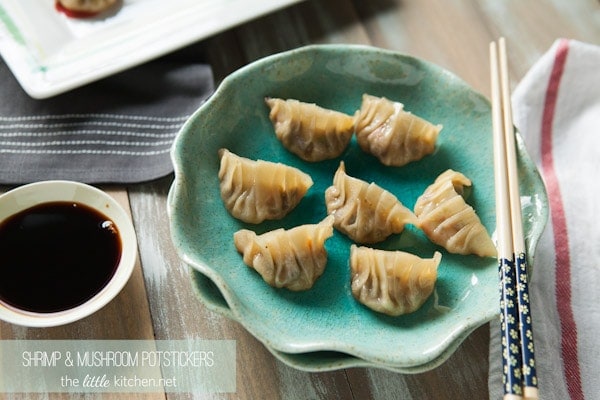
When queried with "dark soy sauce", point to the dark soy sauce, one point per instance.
{"points": [[55, 256]]}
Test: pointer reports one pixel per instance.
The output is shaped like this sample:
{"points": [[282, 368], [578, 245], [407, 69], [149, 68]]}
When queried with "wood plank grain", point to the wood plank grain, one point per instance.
{"points": [[530, 28], [460, 377], [450, 34]]}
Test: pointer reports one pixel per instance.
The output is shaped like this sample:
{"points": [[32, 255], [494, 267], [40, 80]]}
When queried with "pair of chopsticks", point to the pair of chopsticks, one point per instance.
{"points": [[520, 380]]}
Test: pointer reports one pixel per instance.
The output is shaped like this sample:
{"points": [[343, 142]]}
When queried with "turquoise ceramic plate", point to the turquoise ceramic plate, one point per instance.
{"points": [[315, 361], [326, 318]]}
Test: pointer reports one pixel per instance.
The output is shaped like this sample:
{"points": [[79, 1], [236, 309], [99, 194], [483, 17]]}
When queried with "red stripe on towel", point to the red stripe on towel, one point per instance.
{"points": [[559, 225]]}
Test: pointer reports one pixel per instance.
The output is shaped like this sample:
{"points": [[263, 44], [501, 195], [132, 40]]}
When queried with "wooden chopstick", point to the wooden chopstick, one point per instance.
{"points": [[520, 379]]}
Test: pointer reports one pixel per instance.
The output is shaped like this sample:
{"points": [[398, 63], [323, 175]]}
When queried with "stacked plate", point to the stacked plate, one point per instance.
{"points": [[325, 328]]}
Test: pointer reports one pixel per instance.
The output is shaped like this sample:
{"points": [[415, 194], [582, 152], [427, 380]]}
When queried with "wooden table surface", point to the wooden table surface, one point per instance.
{"points": [[158, 301]]}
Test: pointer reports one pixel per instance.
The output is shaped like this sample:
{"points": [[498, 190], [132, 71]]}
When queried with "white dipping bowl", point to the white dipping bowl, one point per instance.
{"points": [[34, 194]]}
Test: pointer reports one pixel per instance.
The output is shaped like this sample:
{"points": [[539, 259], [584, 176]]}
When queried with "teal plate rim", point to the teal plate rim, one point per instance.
{"points": [[327, 318], [321, 360]]}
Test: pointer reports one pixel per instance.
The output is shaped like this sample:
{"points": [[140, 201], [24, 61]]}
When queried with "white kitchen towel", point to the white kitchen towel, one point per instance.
{"points": [[556, 108]]}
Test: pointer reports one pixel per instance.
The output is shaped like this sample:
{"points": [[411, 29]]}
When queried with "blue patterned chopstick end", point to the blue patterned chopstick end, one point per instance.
{"points": [[526, 330], [509, 323]]}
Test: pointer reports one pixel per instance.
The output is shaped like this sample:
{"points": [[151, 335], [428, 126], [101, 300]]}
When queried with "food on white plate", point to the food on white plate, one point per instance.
{"points": [[292, 259], [364, 211], [392, 282], [395, 136], [449, 221], [84, 8], [311, 132], [254, 191]]}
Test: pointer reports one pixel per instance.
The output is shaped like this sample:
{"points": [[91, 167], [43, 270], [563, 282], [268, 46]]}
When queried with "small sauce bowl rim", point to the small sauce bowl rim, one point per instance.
{"points": [[32, 194]]}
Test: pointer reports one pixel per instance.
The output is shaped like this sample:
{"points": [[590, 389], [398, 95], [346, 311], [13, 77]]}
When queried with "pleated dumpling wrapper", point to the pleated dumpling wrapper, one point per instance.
{"points": [[392, 282], [311, 132], [364, 211], [254, 191], [292, 259], [449, 221], [393, 135]]}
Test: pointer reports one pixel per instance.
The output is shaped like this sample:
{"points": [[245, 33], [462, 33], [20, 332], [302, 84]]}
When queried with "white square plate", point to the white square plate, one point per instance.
{"points": [[50, 53]]}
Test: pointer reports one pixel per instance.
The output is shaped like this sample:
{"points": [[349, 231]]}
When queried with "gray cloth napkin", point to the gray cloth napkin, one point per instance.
{"points": [[117, 130]]}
